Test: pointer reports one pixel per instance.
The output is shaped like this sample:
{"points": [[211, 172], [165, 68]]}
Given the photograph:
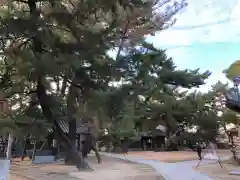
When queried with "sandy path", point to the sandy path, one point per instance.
{"points": [[114, 169], [109, 169], [16, 177], [218, 173], [174, 156]]}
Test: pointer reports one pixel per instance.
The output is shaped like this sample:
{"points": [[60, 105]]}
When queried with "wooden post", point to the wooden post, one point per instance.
{"points": [[4, 107], [34, 150], [238, 126], [24, 149]]}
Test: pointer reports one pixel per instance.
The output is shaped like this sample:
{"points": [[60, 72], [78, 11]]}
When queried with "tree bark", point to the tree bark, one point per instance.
{"points": [[43, 99], [72, 138], [71, 113], [24, 148], [34, 150], [63, 139], [64, 86], [90, 144]]}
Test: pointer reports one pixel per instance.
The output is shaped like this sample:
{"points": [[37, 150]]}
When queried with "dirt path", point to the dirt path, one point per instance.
{"points": [[110, 169], [218, 173], [16, 177], [114, 169], [174, 156]]}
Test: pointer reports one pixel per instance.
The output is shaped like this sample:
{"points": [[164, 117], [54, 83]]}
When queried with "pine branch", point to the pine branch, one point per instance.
{"points": [[122, 40], [71, 82]]}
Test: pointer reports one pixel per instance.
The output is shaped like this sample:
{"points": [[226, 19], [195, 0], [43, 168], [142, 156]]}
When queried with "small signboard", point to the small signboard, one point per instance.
{"points": [[236, 80]]}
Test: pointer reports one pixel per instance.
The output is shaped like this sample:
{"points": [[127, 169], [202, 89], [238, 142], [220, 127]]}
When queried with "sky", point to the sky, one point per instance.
{"points": [[206, 36]]}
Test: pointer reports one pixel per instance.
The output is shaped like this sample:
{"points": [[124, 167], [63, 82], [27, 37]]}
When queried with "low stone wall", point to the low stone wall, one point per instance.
{"points": [[42, 156], [44, 159]]}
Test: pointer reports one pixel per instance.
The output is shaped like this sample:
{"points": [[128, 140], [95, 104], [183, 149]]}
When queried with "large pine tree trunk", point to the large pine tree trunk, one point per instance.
{"points": [[71, 112], [64, 86], [63, 139], [24, 153], [43, 99], [72, 138]]}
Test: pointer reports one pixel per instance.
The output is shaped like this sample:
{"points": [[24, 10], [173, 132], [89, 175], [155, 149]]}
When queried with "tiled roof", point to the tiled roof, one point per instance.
{"points": [[65, 127]]}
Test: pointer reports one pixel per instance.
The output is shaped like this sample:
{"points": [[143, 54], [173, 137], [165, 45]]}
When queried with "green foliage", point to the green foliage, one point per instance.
{"points": [[230, 116], [149, 93], [233, 70], [73, 43]]}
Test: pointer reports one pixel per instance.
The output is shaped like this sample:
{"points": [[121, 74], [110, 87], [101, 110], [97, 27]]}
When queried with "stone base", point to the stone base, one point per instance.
{"points": [[44, 159]]}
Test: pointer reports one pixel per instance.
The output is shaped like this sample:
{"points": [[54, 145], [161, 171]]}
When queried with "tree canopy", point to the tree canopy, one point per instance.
{"points": [[56, 65]]}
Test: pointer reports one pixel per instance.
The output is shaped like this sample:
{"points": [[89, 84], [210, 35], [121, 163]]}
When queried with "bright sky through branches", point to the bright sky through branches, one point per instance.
{"points": [[206, 36]]}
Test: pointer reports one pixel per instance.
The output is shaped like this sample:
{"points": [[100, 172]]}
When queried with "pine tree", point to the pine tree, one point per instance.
{"points": [[154, 77], [62, 41], [148, 94]]}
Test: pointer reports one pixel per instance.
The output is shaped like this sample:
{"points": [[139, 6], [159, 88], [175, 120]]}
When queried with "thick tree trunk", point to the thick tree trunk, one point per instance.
{"points": [[63, 139], [94, 148], [34, 150], [44, 100], [90, 144], [72, 138], [64, 86], [24, 148], [71, 112]]}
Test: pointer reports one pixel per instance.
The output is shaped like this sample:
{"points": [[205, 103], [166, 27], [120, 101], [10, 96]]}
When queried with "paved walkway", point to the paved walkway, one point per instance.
{"points": [[170, 171]]}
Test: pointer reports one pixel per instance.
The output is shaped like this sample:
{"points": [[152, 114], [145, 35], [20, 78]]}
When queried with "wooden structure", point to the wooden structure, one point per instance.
{"points": [[151, 140], [81, 130], [158, 139], [45, 150]]}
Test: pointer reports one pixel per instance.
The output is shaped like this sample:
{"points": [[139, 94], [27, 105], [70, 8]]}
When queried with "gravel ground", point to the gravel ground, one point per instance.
{"points": [[115, 169], [109, 169], [174, 156], [218, 173]]}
